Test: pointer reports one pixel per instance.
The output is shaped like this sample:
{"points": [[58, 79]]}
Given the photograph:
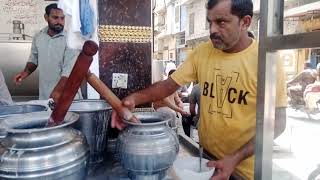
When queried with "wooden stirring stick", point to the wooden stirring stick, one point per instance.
{"points": [[110, 97], [73, 83]]}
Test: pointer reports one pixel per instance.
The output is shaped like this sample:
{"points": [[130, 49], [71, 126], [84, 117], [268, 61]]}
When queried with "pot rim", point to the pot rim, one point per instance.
{"points": [[11, 124], [108, 107], [140, 115], [44, 108]]}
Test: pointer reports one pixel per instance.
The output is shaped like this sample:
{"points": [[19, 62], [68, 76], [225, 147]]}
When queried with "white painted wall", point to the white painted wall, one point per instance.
{"points": [[76, 41], [30, 12], [199, 9]]}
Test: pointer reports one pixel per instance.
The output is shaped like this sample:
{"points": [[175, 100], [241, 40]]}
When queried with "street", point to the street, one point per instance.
{"points": [[296, 151]]}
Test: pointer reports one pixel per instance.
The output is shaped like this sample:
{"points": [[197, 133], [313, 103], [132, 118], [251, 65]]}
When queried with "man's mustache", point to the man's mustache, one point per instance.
{"points": [[215, 36], [56, 25]]}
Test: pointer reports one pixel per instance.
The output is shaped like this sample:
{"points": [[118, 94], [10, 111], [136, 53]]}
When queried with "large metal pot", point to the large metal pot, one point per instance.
{"points": [[148, 149], [10, 110], [93, 123], [31, 151]]}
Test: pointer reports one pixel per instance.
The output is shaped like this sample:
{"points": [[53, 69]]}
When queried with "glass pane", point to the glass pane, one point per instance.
{"points": [[296, 150], [301, 16], [191, 25]]}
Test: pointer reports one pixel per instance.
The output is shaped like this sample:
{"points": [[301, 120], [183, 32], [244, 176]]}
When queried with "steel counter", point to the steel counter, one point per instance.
{"points": [[112, 170]]}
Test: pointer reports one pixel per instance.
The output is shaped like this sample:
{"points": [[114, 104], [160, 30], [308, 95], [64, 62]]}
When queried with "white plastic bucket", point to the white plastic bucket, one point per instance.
{"points": [[188, 169]]}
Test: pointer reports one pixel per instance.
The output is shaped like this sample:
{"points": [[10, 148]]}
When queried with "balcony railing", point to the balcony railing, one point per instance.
{"points": [[186, 2], [297, 3]]}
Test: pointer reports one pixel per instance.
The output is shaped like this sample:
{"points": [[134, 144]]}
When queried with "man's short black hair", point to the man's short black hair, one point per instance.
{"points": [[171, 71], [250, 34], [308, 65], [50, 7], [239, 8]]}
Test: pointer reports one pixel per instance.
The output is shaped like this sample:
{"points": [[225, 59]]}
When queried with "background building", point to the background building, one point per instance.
{"points": [[180, 25]]}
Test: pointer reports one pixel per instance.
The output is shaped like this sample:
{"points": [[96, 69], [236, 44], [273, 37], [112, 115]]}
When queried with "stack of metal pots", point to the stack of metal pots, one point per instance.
{"points": [[148, 149], [93, 123], [30, 150]]}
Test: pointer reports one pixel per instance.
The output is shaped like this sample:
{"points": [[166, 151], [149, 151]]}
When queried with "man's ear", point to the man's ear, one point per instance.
{"points": [[46, 17], [246, 22]]}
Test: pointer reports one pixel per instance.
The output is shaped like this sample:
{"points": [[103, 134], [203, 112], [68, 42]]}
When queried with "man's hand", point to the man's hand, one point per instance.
{"points": [[30, 67], [155, 92], [19, 77], [55, 96], [185, 113], [116, 119], [58, 89], [180, 105], [223, 168]]}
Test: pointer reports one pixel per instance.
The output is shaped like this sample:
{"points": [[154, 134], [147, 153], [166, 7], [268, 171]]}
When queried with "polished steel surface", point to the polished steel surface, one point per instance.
{"points": [[29, 150], [93, 122], [10, 110], [112, 169], [148, 149], [14, 55], [271, 25], [200, 158], [306, 40], [113, 148]]}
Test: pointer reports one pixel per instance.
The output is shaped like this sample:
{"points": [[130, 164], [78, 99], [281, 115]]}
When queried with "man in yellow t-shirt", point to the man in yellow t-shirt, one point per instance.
{"points": [[226, 69]]}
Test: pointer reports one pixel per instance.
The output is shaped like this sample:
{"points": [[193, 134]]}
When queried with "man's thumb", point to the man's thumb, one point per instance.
{"points": [[128, 104], [212, 164]]}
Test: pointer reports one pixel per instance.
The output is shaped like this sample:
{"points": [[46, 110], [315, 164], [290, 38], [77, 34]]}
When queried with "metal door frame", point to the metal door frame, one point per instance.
{"points": [[271, 40]]}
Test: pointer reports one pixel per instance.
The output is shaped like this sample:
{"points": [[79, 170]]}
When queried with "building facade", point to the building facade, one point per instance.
{"points": [[180, 25]]}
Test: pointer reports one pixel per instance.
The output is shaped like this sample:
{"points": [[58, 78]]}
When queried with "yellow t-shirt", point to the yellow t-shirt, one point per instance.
{"points": [[228, 98]]}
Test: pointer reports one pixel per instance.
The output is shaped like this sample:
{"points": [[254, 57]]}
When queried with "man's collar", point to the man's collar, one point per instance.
{"points": [[45, 31]]}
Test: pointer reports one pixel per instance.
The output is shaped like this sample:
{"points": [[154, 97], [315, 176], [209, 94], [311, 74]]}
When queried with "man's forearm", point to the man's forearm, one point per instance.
{"points": [[192, 109], [245, 151], [177, 100], [155, 92], [30, 67], [172, 106]]}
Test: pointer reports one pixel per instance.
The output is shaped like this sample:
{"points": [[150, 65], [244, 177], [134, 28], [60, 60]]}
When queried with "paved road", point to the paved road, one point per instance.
{"points": [[299, 147]]}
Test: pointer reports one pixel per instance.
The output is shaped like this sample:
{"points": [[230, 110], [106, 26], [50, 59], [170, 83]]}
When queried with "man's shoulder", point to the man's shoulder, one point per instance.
{"points": [[254, 47], [40, 32], [204, 46], [37, 35]]}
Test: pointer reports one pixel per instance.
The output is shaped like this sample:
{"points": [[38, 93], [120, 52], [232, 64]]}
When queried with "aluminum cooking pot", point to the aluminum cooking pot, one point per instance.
{"points": [[31, 151]]}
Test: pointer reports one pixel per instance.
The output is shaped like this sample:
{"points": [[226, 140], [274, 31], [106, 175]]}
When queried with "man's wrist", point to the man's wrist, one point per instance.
{"points": [[26, 70], [29, 68], [244, 152], [133, 98], [238, 157]]}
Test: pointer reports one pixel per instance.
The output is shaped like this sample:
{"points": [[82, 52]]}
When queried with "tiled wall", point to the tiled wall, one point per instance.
{"points": [[133, 59]]}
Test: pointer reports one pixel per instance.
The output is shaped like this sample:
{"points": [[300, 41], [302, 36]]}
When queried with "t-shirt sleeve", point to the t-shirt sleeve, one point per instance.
{"points": [[281, 93], [70, 57], [187, 71]]}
